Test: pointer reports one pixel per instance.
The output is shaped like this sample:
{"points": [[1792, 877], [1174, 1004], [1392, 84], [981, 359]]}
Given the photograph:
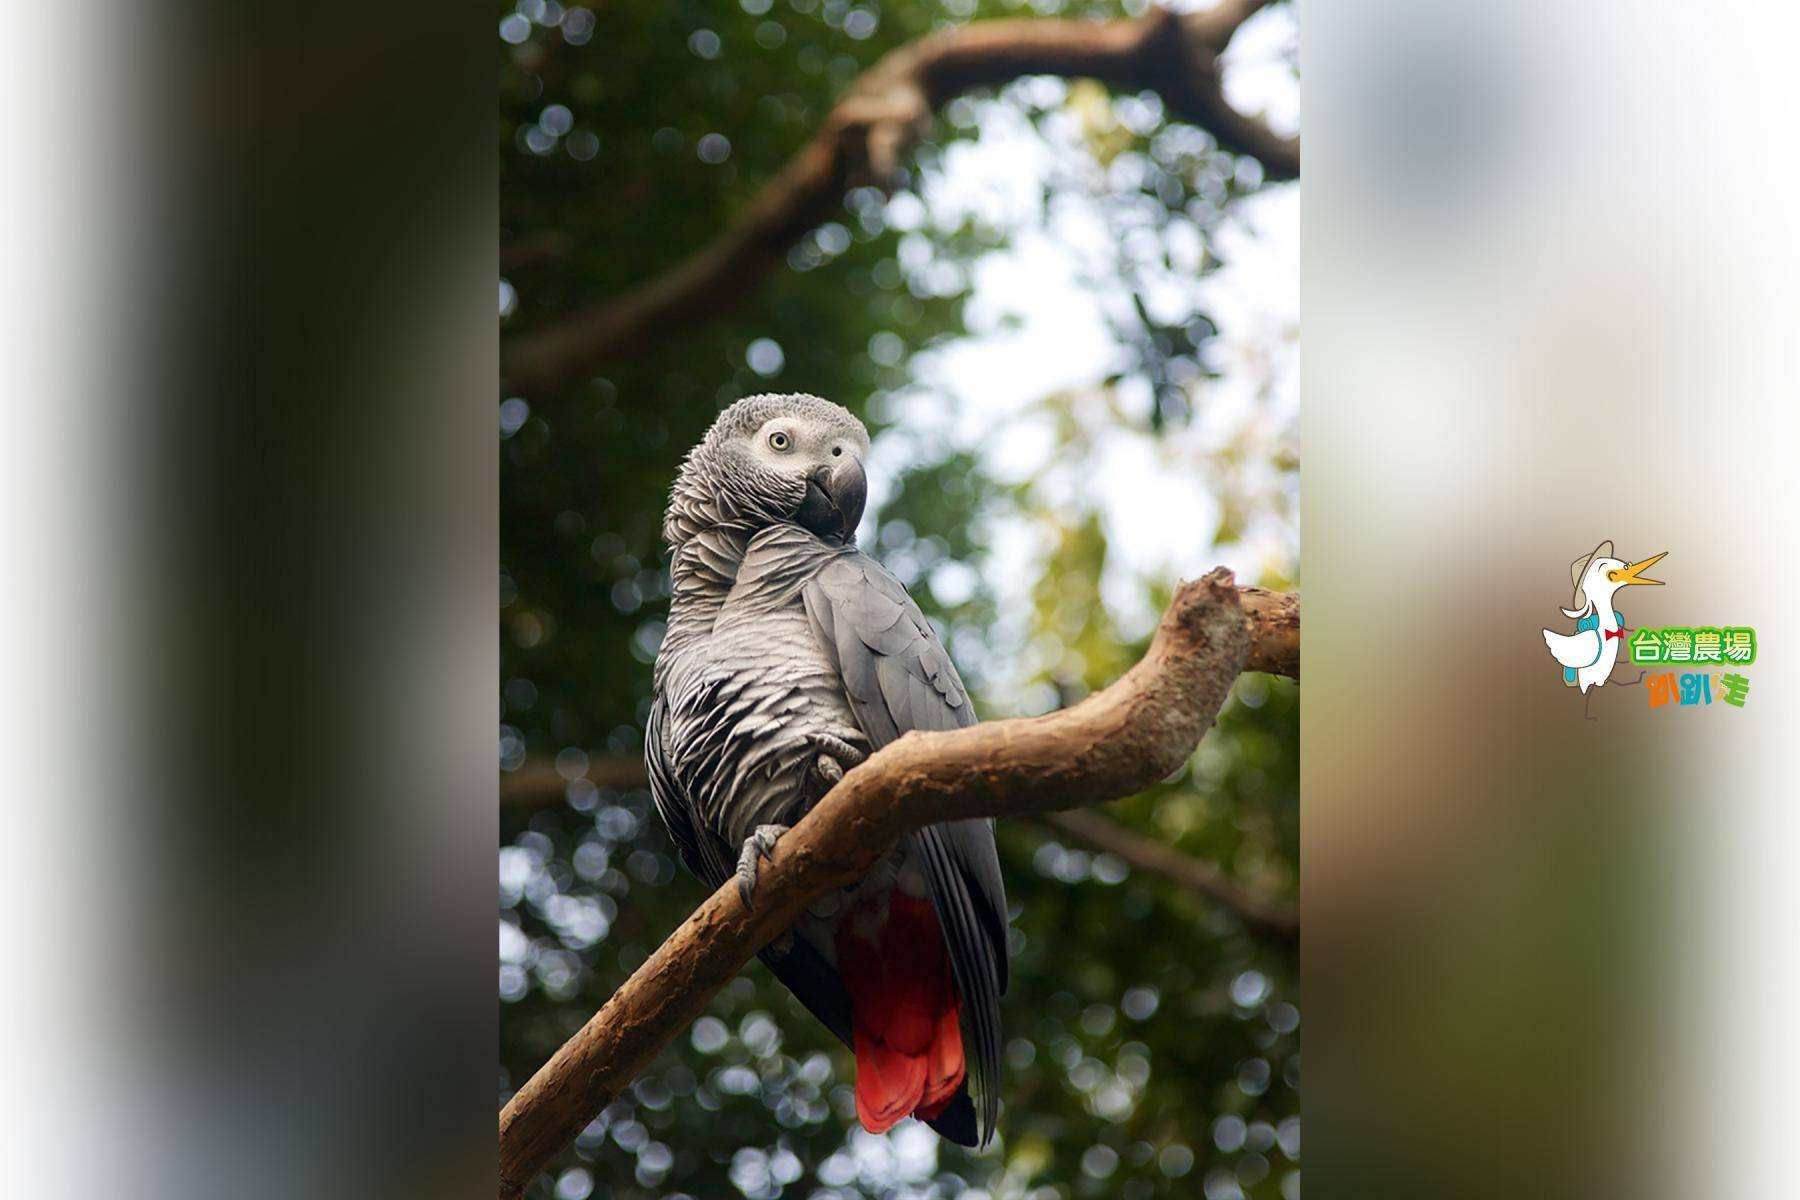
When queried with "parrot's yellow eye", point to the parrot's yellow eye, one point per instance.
{"points": [[780, 440]]}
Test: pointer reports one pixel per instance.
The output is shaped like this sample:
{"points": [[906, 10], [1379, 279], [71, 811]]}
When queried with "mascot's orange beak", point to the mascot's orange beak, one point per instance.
{"points": [[1630, 574]]}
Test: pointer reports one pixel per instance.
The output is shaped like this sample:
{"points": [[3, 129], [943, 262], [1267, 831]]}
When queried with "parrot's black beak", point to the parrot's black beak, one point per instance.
{"points": [[835, 496]]}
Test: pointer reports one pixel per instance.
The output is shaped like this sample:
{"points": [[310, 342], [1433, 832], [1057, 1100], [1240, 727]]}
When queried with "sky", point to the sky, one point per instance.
{"points": [[1038, 325]]}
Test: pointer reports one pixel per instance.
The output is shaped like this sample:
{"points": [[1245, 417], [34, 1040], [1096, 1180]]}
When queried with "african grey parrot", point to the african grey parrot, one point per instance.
{"points": [[790, 656]]}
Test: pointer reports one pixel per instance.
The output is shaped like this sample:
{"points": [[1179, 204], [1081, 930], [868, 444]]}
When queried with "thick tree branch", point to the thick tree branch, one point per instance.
{"points": [[1274, 649], [867, 136], [1115, 742], [1262, 916], [1274, 631]]}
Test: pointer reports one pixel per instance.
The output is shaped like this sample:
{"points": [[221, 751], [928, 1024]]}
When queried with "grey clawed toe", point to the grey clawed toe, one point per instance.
{"points": [[759, 845]]}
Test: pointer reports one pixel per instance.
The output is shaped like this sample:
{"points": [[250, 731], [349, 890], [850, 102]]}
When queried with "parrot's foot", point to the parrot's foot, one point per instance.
{"points": [[835, 756], [759, 845]]}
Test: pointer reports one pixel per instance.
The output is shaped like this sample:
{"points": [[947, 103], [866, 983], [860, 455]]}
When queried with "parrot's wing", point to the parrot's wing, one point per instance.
{"points": [[1574, 649], [703, 856], [899, 677], [800, 967]]}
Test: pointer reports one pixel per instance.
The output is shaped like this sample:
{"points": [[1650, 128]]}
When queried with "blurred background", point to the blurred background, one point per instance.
{"points": [[1548, 302], [1070, 322]]}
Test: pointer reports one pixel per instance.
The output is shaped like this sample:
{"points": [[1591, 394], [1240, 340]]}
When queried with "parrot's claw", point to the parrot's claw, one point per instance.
{"points": [[834, 757], [759, 845]]}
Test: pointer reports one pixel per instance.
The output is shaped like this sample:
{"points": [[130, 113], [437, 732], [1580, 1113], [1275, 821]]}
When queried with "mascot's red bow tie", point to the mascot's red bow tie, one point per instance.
{"points": [[1614, 633]]}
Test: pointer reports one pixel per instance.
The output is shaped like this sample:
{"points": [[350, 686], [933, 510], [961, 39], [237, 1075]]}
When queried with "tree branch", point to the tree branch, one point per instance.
{"points": [[535, 250], [865, 138], [1262, 916], [538, 784], [1115, 742], [1274, 631], [1274, 649]]}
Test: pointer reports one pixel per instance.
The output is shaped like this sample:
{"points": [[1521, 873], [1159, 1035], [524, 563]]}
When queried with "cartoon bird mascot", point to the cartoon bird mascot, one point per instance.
{"points": [[1589, 654]]}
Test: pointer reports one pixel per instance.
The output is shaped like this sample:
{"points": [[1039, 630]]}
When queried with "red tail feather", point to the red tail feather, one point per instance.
{"points": [[909, 1055]]}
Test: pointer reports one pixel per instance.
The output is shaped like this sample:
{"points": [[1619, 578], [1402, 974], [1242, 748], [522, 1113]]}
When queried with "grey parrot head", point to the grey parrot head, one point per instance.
{"points": [[772, 459]]}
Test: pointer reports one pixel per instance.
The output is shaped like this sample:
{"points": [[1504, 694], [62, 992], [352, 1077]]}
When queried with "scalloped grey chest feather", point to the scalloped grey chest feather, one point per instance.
{"points": [[749, 694]]}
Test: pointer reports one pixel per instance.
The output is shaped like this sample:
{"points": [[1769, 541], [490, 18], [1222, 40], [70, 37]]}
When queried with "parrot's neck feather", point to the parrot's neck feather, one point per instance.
{"points": [[701, 574]]}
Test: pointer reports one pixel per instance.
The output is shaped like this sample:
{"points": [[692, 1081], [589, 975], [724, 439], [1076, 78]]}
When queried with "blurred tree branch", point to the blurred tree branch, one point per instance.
{"points": [[865, 139], [538, 784], [532, 250], [1262, 916], [1115, 742]]}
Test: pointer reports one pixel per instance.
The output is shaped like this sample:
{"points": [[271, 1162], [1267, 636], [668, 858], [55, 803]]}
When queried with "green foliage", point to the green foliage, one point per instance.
{"points": [[1153, 1042]]}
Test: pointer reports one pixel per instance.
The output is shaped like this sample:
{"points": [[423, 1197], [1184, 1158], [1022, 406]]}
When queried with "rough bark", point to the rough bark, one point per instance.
{"points": [[865, 139], [1115, 742], [1274, 631]]}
